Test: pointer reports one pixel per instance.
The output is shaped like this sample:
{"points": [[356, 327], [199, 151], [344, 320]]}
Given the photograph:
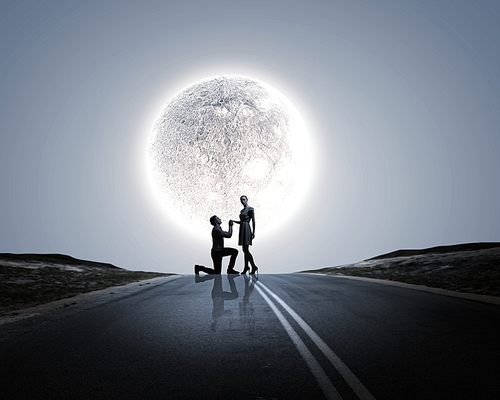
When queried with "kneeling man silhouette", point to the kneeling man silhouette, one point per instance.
{"points": [[218, 249]]}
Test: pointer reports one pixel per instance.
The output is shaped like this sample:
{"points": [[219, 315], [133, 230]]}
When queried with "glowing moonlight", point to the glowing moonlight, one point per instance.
{"points": [[223, 137]]}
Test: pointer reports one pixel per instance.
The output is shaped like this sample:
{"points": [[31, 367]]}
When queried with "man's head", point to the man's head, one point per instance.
{"points": [[214, 219]]}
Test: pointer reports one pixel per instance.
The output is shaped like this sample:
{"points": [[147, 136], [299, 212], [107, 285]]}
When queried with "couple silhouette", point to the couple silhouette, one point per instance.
{"points": [[246, 235]]}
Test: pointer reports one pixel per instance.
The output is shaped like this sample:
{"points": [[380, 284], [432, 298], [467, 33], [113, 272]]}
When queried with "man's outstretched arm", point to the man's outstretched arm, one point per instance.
{"points": [[226, 234]]}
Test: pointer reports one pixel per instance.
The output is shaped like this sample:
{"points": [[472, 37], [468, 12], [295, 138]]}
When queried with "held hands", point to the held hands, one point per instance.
{"points": [[231, 222]]}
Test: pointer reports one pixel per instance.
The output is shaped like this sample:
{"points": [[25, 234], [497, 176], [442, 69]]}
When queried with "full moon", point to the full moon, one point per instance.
{"points": [[227, 136]]}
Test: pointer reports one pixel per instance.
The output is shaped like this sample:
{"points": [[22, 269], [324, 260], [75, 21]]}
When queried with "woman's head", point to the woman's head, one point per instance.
{"points": [[244, 200]]}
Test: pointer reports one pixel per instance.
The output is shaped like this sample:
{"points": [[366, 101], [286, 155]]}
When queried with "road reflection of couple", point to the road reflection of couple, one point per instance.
{"points": [[219, 296], [246, 235]]}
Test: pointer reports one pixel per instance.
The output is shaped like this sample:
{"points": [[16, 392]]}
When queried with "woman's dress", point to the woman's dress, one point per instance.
{"points": [[245, 237]]}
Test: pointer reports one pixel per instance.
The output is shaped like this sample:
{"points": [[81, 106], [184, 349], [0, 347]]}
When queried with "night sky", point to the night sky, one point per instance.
{"points": [[401, 100]]}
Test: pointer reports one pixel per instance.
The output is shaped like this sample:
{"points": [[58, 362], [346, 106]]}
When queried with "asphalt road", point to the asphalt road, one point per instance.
{"points": [[283, 337]]}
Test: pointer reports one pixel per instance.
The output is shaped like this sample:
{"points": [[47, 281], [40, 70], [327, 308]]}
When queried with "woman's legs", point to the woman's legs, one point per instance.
{"points": [[248, 258], [245, 258]]}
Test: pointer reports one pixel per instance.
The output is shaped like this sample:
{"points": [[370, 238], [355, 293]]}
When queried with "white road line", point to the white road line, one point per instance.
{"points": [[346, 373], [324, 382]]}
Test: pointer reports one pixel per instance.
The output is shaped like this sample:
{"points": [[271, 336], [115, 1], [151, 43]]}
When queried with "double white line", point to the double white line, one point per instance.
{"points": [[320, 375]]}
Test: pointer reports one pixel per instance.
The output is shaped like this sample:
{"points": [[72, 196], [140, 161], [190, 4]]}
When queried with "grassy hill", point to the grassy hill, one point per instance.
{"points": [[28, 280], [471, 268]]}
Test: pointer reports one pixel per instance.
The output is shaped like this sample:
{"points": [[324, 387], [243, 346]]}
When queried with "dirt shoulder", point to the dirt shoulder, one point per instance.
{"points": [[33, 279], [476, 271]]}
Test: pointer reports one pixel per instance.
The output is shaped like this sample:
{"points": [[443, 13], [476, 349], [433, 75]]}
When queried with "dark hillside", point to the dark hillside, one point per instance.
{"points": [[439, 250]]}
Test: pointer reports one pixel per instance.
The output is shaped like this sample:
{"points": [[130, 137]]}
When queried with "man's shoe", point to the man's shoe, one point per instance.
{"points": [[232, 271], [197, 270]]}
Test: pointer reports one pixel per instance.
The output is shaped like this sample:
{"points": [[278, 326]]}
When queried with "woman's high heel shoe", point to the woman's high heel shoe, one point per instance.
{"points": [[254, 270], [245, 270]]}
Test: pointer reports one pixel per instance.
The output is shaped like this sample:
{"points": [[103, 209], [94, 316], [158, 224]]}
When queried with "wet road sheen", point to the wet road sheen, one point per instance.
{"points": [[288, 336]]}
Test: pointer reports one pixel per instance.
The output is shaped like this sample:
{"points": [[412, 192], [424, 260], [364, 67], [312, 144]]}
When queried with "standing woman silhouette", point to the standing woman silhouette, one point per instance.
{"points": [[247, 233]]}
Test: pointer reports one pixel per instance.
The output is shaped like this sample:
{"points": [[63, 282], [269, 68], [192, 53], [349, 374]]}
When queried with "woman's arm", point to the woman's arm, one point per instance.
{"points": [[253, 224]]}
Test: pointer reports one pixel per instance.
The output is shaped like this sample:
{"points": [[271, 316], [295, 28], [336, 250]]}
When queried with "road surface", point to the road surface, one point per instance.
{"points": [[288, 336]]}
